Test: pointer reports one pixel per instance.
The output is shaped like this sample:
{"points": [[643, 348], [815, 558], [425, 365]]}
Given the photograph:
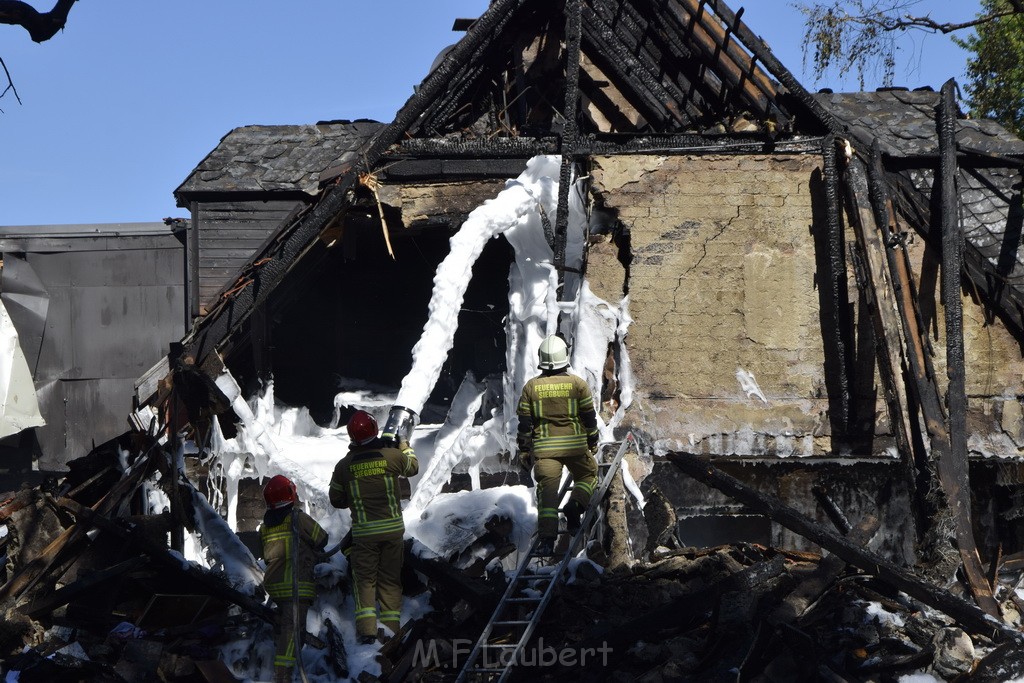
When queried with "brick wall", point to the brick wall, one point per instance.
{"points": [[722, 279]]}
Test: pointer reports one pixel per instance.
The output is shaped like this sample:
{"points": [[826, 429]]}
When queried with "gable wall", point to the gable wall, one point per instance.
{"points": [[722, 279], [994, 360]]}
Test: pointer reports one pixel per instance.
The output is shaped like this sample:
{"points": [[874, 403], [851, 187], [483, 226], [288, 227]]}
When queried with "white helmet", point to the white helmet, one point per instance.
{"points": [[553, 353]]}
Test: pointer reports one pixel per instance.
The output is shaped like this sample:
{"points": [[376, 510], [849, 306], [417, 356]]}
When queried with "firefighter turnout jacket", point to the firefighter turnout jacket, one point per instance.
{"points": [[367, 481], [284, 555], [557, 416]]}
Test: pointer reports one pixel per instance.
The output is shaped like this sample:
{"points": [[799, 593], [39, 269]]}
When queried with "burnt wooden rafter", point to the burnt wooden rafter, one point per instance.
{"points": [[595, 93], [741, 79], [603, 45], [763, 53], [837, 291], [660, 56], [465, 76], [570, 134], [952, 266], [950, 468]]}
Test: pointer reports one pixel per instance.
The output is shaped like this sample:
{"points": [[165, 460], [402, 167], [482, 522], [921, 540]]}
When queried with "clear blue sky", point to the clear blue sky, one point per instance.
{"points": [[121, 106]]}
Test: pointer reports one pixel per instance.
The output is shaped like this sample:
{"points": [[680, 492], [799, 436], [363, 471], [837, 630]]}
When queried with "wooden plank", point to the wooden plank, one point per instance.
{"points": [[222, 257], [220, 273], [47, 603], [234, 234], [285, 206], [886, 321], [162, 555], [69, 540], [969, 616]]}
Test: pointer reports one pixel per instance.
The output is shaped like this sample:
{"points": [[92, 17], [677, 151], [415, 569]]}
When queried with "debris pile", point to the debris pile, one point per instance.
{"points": [[92, 589]]}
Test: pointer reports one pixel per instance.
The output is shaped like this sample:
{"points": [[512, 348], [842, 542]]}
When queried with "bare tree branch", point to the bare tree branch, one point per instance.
{"points": [[895, 23], [10, 84], [41, 26]]}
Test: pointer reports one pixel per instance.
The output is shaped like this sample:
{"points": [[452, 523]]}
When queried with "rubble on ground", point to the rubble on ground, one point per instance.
{"points": [[93, 591]]}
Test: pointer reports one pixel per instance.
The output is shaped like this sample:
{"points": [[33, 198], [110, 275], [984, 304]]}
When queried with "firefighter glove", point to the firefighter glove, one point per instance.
{"points": [[526, 459]]}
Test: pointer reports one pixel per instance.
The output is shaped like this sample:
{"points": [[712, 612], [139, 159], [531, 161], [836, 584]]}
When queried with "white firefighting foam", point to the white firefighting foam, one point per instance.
{"points": [[273, 439]]}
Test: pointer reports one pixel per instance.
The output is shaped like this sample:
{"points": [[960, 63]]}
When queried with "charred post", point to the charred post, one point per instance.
{"points": [[570, 134], [952, 266]]}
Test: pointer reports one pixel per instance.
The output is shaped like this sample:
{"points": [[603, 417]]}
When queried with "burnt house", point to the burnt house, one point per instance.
{"points": [[824, 288]]}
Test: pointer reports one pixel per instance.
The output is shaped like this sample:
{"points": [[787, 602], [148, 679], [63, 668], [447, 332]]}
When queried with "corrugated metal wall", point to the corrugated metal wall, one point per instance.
{"points": [[99, 305]]}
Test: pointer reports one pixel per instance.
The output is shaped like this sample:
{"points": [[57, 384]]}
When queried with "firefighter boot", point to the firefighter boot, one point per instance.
{"points": [[572, 511]]}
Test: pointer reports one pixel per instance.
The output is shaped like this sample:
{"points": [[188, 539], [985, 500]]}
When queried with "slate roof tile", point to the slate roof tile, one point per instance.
{"points": [[276, 158]]}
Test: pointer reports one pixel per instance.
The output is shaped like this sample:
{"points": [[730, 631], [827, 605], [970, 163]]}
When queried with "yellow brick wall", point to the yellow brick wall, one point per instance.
{"points": [[722, 278]]}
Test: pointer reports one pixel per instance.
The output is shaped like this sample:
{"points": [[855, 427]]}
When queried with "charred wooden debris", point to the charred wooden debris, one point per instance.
{"points": [[92, 590]]}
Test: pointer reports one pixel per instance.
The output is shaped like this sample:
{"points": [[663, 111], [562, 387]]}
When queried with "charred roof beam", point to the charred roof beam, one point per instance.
{"points": [[664, 47], [736, 68], [570, 135], [950, 470], [629, 31], [653, 101], [763, 53]]}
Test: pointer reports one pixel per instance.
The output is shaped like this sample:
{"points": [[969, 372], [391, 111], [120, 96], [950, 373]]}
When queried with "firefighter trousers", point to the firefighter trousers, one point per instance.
{"points": [[377, 579], [286, 649], [547, 470]]}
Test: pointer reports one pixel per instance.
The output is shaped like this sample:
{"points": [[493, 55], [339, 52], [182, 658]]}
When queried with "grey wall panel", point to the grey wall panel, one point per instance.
{"points": [[97, 411], [113, 310], [52, 436], [78, 414], [114, 327], [56, 356], [123, 267]]}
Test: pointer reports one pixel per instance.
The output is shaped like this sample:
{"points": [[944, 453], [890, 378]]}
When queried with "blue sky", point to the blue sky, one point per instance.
{"points": [[120, 107]]}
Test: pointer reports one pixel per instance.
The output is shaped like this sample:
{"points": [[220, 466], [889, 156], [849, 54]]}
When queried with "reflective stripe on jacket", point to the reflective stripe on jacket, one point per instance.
{"points": [[556, 414], [366, 480], [279, 552]]}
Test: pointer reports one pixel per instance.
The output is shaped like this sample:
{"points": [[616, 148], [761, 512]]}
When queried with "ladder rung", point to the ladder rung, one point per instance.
{"points": [[523, 600], [499, 646], [534, 576], [507, 623]]}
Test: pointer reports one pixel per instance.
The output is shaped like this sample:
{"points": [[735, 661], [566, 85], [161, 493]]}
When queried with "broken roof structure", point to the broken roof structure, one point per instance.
{"points": [[826, 216], [818, 294]]}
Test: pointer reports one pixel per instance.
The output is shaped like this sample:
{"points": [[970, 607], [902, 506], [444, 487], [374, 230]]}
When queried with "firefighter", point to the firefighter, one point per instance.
{"points": [[558, 427], [367, 480], [291, 541]]}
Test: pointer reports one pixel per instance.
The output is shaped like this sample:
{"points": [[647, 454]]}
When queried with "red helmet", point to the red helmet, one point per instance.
{"points": [[279, 492], [362, 428]]}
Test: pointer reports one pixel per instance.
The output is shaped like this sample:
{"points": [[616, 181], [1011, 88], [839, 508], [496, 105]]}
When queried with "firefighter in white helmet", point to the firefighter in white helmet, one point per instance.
{"points": [[558, 428]]}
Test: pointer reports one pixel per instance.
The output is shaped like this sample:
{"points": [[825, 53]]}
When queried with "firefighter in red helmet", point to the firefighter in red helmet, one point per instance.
{"points": [[367, 481], [291, 541]]}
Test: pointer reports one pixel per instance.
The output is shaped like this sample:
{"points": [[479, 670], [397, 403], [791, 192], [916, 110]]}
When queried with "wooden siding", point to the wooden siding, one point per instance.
{"points": [[228, 234]]}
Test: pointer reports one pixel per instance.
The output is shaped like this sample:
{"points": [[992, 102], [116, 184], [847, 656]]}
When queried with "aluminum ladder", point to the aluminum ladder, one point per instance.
{"points": [[500, 658]]}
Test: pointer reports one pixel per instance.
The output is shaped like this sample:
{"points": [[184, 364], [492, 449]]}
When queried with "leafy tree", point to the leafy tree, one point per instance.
{"points": [[860, 36], [996, 71]]}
